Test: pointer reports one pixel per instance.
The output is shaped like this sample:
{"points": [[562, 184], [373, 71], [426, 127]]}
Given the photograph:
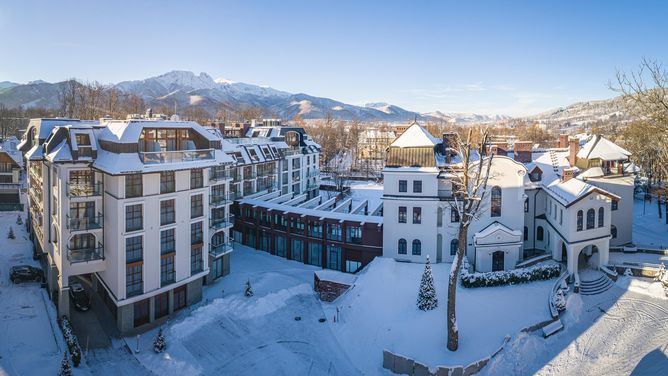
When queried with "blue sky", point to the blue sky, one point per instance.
{"points": [[509, 57]]}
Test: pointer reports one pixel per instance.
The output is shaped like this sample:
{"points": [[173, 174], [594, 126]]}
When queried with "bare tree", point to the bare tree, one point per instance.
{"points": [[469, 191]]}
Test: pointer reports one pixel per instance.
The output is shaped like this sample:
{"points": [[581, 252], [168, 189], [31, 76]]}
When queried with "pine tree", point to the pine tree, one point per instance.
{"points": [[11, 233], [65, 369], [427, 299], [159, 344], [249, 290], [19, 220]]}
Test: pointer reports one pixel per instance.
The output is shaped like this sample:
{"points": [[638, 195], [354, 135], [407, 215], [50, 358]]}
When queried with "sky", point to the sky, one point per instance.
{"points": [[489, 57]]}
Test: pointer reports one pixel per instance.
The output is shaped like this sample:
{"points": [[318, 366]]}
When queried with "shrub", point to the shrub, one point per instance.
{"points": [[65, 369], [159, 344], [559, 300], [71, 340], [249, 290], [509, 277]]}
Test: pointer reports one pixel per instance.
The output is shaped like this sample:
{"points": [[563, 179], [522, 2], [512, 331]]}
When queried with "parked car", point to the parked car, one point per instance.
{"points": [[79, 297], [25, 273]]}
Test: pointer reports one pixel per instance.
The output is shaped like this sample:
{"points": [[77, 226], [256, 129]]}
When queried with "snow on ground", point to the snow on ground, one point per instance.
{"points": [[648, 229], [380, 312], [30, 340], [619, 258], [619, 332], [366, 190]]}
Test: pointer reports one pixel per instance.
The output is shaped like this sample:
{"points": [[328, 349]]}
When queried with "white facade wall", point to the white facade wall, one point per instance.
{"points": [[622, 218]]}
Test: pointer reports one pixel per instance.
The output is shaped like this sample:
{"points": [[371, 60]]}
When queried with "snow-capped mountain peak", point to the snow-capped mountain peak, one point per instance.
{"points": [[186, 79]]}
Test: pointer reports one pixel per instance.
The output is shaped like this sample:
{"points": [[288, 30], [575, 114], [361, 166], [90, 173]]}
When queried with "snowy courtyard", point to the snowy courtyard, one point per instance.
{"points": [[648, 229]]}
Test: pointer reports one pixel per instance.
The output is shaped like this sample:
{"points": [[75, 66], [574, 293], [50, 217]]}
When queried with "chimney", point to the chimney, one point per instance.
{"points": [[573, 148], [563, 141], [523, 151], [221, 127], [568, 174], [501, 148], [491, 149]]}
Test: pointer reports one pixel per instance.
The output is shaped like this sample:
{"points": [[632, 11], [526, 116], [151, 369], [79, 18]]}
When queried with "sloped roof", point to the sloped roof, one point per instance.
{"points": [[415, 136], [600, 147]]}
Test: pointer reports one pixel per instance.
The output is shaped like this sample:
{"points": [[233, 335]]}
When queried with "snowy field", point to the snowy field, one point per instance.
{"points": [[30, 340], [648, 229]]}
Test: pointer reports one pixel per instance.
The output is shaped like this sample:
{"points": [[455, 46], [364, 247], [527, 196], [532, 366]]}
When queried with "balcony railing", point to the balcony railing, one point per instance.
{"points": [[85, 223], [85, 254], [10, 185], [218, 223], [221, 175], [313, 173], [84, 189], [289, 152], [218, 200], [249, 176], [310, 186], [220, 249], [158, 157]]}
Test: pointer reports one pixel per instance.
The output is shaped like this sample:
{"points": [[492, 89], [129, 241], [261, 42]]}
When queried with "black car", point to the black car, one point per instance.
{"points": [[24, 273], [79, 297]]}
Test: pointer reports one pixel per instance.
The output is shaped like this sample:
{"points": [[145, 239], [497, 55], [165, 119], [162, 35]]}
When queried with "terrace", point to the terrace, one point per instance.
{"points": [[85, 254]]}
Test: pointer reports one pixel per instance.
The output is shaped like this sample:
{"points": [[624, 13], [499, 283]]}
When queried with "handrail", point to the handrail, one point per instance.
{"points": [[173, 156], [85, 254]]}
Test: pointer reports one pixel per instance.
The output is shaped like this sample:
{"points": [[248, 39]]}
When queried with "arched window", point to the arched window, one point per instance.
{"points": [[539, 233], [454, 245], [496, 202], [591, 218], [601, 217], [613, 231], [417, 248], [526, 233], [580, 215], [402, 246]]}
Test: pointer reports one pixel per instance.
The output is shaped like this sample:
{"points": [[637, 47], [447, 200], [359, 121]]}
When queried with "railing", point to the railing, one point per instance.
{"points": [[220, 175], [10, 185], [221, 199], [310, 186], [252, 175], [85, 223], [217, 223], [354, 240], [313, 173], [220, 249], [10, 207], [85, 254], [289, 152], [249, 140], [157, 157], [84, 189]]}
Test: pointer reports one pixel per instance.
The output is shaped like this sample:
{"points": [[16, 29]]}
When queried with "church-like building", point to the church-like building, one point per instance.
{"points": [[573, 202]]}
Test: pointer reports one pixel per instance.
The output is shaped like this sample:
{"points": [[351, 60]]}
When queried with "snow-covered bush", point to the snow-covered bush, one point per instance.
{"points": [[559, 300], [427, 299], [661, 273], [159, 343], [249, 289], [515, 276], [19, 220], [628, 272], [71, 340], [65, 369], [11, 233]]}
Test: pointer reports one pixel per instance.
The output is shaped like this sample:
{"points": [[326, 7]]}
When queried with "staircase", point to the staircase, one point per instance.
{"points": [[596, 286]]}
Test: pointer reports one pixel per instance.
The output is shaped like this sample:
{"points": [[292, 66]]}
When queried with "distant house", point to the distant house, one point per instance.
{"points": [[11, 165]]}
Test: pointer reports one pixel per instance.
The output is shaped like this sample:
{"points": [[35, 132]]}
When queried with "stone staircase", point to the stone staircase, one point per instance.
{"points": [[596, 286]]}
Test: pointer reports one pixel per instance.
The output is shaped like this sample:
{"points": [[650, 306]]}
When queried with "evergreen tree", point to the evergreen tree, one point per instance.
{"points": [[159, 344], [19, 220], [65, 369], [11, 233], [427, 299], [249, 290]]}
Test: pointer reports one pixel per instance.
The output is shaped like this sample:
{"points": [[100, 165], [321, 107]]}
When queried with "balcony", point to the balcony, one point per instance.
{"points": [[85, 223], [218, 223], [220, 249], [311, 186], [85, 254], [249, 176], [289, 152], [84, 189], [313, 173], [220, 175], [220, 200], [176, 156]]}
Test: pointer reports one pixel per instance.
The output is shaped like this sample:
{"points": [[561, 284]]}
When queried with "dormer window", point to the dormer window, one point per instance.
{"points": [[536, 175]]}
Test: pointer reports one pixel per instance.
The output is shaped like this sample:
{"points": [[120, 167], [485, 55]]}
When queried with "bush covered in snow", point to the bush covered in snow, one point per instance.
{"points": [[508, 277], [159, 343], [71, 340], [65, 369], [249, 290], [559, 300]]}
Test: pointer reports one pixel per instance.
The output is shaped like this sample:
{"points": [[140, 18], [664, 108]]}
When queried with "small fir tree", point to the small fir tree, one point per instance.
{"points": [[11, 233], [19, 220], [159, 344], [427, 299], [65, 369], [249, 290]]}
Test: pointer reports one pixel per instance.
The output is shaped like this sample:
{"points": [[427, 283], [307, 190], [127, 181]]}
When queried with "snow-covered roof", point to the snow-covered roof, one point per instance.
{"points": [[602, 148], [129, 131], [129, 163], [494, 227], [415, 136], [593, 172], [336, 276]]}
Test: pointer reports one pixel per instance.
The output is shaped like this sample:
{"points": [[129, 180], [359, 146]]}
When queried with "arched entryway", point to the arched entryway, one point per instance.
{"points": [[498, 261]]}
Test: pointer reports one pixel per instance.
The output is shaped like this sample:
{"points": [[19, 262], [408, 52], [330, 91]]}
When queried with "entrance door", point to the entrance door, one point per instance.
{"points": [[497, 261]]}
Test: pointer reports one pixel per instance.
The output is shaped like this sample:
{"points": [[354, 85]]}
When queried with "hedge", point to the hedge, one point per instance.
{"points": [[509, 277], [71, 340]]}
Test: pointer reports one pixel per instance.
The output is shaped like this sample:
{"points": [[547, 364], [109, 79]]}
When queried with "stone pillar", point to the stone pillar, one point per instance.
{"points": [[604, 253], [572, 261]]}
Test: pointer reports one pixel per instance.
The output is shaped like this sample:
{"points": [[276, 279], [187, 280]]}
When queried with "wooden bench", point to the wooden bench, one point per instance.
{"points": [[552, 328]]}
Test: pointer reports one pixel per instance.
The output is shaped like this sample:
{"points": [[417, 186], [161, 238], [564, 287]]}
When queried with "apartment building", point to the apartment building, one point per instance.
{"points": [[11, 171]]}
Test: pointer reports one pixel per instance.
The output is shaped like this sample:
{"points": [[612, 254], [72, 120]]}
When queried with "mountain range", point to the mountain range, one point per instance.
{"points": [[182, 89]]}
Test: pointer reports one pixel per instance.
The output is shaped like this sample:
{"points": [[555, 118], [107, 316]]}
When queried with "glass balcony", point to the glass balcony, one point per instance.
{"points": [[310, 186], [220, 175], [218, 223], [176, 156], [251, 175], [220, 249], [219, 200], [289, 152], [85, 223], [313, 173], [84, 189], [85, 254]]}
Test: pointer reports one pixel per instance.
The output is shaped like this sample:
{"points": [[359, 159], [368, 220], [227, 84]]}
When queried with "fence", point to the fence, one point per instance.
{"points": [[11, 207]]}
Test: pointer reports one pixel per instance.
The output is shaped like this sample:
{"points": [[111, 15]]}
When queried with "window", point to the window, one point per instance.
{"points": [[167, 274], [535, 175], [334, 231], [167, 183], [526, 233], [315, 254], [353, 266], [167, 213], [354, 234], [333, 257], [196, 178], [561, 216], [601, 217], [162, 305], [196, 260], [217, 193], [454, 215], [454, 245], [539, 233], [417, 186], [403, 186], [526, 205], [613, 231], [141, 313], [133, 280], [579, 220], [417, 248], [297, 250], [196, 234], [439, 217], [402, 247], [280, 245], [133, 249], [591, 218], [133, 186], [196, 207], [167, 242], [417, 215], [133, 217], [613, 205], [180, 295], [496, 202], [402, 214]]}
